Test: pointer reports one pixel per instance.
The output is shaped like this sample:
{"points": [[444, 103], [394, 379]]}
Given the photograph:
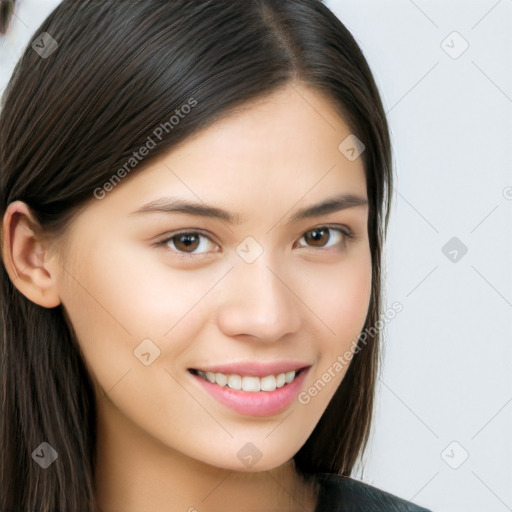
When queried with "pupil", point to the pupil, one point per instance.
{"points": [[187, 240], [317, 234], [187, 237]]}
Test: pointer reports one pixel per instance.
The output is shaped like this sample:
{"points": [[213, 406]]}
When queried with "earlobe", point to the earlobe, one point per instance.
{"points": [[27, 256]]}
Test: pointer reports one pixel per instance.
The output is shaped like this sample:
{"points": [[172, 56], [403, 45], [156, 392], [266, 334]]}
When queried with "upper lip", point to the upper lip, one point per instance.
{"points": [[254, 368]]}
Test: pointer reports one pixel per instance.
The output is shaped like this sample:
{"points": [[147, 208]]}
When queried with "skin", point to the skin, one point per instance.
{"points": [[162, 439]]}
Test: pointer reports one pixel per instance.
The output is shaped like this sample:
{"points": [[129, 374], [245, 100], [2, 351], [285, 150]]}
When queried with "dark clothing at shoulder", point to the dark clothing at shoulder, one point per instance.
{"points": [[343, 494]]}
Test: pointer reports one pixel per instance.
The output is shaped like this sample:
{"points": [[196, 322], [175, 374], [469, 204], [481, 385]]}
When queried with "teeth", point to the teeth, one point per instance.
{"points": [[235, 382], [289, 376], [268, 383], [221, 379], [249, 383]]}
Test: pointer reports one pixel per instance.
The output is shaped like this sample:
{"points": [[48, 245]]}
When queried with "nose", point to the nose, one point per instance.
{"points": [[258, 301]]}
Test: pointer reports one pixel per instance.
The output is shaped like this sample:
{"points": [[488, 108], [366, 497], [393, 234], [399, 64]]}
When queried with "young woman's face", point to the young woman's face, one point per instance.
{"points": [[259, 296]]}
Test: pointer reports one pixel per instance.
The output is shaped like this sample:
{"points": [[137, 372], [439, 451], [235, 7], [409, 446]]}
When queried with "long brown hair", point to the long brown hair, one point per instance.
{"points": [[113, 70]]}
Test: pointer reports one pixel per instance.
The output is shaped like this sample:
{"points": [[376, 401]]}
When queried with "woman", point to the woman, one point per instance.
{"points": [[194, 198]]}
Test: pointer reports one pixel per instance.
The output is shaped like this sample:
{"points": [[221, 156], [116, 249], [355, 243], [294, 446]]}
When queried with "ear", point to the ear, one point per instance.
{"points": [[26, 255]]}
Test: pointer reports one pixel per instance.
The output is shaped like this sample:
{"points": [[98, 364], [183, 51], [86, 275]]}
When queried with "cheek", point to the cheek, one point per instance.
{"points": [[343, 307], [129, 289], [343, 300], [354, 299]]}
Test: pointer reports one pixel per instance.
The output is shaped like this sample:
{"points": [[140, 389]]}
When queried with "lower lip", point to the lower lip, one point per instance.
{"points": [[260, 403]]}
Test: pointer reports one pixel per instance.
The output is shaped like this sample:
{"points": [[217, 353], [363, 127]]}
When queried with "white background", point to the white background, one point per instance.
{"points": [[446, 387], [447, 373]]}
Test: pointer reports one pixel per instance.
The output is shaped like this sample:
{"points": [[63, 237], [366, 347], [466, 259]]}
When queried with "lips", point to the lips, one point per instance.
{"points": [[253, 395]]}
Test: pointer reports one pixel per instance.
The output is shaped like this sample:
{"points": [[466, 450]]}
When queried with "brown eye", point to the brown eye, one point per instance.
{"points": [[188, 244], [323, 238], [186, 241], [317, 237]]}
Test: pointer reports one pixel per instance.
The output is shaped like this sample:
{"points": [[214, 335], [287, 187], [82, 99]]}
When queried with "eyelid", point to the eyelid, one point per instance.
{"points": [[345, 231], [186, 231]]}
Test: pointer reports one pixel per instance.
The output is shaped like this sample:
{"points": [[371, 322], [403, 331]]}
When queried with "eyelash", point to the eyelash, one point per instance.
{"points": [[347, 234]]}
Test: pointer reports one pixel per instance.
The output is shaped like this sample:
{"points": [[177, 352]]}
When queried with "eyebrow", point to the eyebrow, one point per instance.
{"points": [[174, 205]]}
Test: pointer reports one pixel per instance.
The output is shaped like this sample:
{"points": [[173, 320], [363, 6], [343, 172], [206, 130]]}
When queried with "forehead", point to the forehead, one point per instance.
{"points": [[263, 158]]}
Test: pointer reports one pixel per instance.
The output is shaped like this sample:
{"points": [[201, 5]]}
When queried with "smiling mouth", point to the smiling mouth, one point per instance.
{"points": [[248, 383]]}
